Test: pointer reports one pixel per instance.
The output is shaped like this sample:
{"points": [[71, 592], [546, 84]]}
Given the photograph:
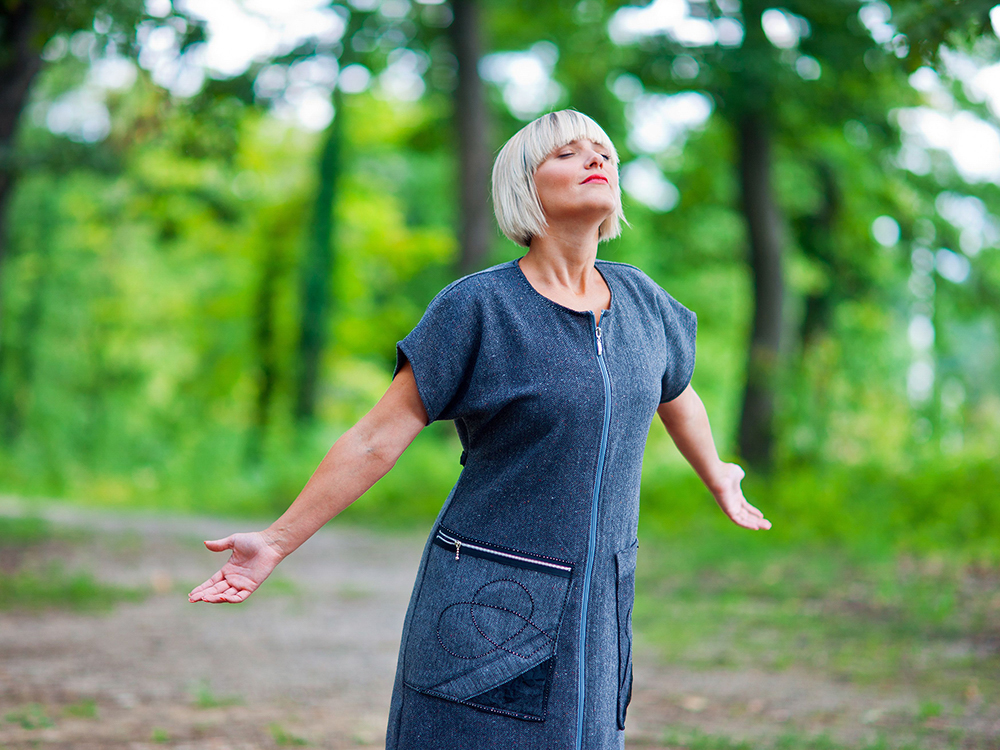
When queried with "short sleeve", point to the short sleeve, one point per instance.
{"points": [[442, 350], [680, 326]]}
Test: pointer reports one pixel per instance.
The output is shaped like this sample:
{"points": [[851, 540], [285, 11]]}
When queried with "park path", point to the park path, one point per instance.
{"points": [[309, 658]]}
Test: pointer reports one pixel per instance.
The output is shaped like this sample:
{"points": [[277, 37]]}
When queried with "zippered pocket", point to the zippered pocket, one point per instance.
{"points": [[484, 625], [625, 597], [451, 541]]}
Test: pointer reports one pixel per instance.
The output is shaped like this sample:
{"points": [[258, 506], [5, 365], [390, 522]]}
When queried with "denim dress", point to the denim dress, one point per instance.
{"points": [[518, 634]]}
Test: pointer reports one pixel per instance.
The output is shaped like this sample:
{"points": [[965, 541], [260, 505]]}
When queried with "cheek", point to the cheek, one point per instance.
{"points": [[549, 184]]}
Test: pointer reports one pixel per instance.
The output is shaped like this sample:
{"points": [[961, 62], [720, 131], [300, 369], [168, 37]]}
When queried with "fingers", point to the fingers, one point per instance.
{"points": [[218, 589], [227, 594], [207, 584], [752, 518], [218, 545], [219, 593]]}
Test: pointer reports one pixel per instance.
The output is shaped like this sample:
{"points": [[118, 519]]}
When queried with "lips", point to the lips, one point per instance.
{"points": [[596, 178]]}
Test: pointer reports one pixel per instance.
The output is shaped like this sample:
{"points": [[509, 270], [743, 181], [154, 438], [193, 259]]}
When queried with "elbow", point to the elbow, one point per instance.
{"points": [[376, 453]]}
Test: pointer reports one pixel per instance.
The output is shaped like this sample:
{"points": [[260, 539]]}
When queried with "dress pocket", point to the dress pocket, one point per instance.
{"points": [[625, 595], [484, 626]]}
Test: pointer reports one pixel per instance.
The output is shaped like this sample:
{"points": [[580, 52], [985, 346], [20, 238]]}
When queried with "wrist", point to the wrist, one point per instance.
{"points": [[275, 541], [716, 477]]}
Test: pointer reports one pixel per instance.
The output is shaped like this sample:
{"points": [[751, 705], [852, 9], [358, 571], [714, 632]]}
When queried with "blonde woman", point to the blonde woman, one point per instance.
{"points": [[518, 633]]}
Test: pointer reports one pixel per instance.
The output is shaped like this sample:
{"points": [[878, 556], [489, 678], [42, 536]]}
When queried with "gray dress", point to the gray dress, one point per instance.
{"points": [[518, 634]]}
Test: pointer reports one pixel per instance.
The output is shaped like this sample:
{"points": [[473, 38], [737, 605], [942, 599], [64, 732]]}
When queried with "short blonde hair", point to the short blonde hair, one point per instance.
{"points": [[515, 199]]}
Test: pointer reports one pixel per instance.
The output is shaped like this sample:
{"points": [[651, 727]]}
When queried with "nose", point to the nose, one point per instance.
{"points": [[595, 158]]}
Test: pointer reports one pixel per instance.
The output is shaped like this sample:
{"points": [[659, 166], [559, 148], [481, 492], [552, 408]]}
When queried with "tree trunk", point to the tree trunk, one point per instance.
{"points": [[317, 270], [19, 64], [765, 230], [23, 341], [816, 238], [267, 360], [472, 125]]}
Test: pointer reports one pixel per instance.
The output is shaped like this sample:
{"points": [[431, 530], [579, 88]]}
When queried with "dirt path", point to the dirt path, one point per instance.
{"points": [[310, 658]]}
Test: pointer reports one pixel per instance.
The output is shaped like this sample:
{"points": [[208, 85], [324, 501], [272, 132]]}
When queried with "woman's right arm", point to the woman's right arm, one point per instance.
{"points": [[359, 458]]}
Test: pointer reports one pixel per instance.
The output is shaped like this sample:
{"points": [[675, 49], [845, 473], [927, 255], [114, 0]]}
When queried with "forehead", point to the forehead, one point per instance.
{"points": [[583, 142]]}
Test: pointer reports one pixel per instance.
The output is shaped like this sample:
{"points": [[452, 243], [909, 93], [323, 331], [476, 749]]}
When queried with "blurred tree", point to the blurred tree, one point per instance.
{"points": [[784, 75], [471, 122], [25, 28], [317, 268]]}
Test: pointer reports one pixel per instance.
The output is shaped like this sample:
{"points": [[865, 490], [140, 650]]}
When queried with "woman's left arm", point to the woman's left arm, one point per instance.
{"points": [[687, 422]]}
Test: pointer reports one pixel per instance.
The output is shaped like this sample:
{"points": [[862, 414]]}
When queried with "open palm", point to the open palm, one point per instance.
{"points": [[252, 561], [730, 498]]}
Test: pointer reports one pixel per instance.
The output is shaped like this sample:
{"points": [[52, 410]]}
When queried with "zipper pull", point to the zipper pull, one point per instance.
{"points": [[600, 348], [458, 546]]}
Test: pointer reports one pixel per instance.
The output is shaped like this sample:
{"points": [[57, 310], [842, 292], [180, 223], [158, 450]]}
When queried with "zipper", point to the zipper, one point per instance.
{"points": [[461, 546], [592, 547]]}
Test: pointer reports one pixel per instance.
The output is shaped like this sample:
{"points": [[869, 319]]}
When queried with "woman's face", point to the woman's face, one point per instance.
{"points": [[578, 182]]}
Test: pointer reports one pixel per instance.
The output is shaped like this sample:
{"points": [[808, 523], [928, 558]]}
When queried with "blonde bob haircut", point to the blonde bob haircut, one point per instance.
{"points": [[515, 200]]}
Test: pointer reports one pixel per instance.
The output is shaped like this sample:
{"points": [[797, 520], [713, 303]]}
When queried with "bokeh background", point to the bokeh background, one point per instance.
{"points": [[217, 217]]}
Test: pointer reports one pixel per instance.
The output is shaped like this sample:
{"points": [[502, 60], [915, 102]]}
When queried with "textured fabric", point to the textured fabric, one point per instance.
{"points": [[548, 500]]}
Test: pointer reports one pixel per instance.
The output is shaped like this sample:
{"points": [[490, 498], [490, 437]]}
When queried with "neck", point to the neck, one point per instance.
{"points": [[564, 256]]}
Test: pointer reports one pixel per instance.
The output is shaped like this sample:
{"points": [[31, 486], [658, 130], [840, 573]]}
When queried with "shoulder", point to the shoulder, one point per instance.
{"points": [[628, 274], [642, 287], [634, 279], [469, 300], [476, 286]]}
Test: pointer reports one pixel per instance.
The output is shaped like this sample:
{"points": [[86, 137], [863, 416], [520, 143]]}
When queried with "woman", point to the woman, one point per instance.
{"points": [[518, 634]]}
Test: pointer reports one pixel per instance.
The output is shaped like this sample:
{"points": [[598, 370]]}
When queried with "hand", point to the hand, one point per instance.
{"points": [[730, 498], [252, 561]]}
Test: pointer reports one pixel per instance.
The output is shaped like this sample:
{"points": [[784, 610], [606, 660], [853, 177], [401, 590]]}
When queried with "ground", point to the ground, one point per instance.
{"points": [[309, 659]]}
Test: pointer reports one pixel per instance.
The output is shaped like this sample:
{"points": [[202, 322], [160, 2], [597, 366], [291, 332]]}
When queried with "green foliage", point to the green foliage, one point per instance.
{"points": [[85, 709], [56, 588], [205, 697], [159, 735], [920, 507], [32, 589], [23, 531], [151, 293], [31, 716], [283, 738]]}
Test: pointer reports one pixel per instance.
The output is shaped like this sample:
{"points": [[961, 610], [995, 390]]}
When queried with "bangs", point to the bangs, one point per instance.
{"points": [[555, 130], [515, 201]]}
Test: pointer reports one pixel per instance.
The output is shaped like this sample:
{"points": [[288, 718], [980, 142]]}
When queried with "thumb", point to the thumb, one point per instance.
{"points": [[218, 545]]}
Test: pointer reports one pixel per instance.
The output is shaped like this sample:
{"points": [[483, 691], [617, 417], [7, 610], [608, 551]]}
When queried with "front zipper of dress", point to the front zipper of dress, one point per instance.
{"points": [[592, 547]]}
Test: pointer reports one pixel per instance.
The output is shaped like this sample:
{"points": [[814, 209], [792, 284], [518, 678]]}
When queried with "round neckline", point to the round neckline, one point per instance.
{"points": [[611, 291]]}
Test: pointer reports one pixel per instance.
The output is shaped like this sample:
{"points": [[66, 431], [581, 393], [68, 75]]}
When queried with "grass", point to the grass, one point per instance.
{"points": [[85, 709], [283, 738], [159, 735], [23, 531], [205, 697], [56, 588], [696, 739], [727, 598], [52, 586], [32, 716]]}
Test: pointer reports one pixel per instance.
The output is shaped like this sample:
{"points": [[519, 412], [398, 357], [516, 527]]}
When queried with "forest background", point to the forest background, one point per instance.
{"points": [[219, 217]]}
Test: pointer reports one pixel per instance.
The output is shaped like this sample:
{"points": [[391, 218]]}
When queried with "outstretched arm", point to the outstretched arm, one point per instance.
{"points": [[359, 458], [687, 422]]}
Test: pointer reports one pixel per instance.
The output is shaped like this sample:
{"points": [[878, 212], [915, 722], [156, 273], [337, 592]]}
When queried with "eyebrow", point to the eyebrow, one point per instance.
{"points": [[577, 140]]}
